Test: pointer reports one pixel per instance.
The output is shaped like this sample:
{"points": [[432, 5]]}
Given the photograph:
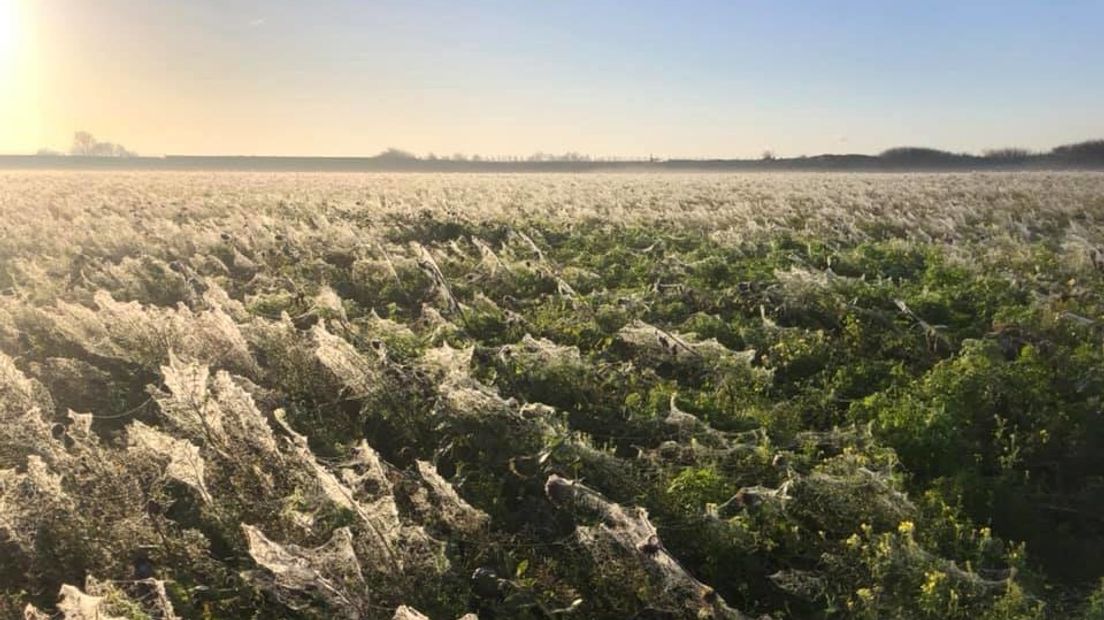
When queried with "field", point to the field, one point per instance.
{"points": [[230, 395]]}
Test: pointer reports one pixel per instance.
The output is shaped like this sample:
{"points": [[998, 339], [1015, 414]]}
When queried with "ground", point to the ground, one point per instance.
{"points": [[330, 395]]}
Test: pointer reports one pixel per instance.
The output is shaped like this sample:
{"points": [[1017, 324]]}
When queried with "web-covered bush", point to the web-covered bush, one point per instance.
{"points": [[543, 397]]}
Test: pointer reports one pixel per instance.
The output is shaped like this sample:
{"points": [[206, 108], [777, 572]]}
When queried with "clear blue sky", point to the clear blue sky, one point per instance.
{"points": [[693, 79]]}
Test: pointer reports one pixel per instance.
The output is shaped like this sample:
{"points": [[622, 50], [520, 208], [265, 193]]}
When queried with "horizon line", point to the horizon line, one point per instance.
{"points": [[398, 154]]}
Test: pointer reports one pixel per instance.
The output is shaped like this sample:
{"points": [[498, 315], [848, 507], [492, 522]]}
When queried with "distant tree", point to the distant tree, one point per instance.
{"points": [[83, 144], [1091, 152], [394, 153], [907, 156], [914, 152], [459, 157], [116, 150], [1007, 154], [86, 145], [767, 155]]}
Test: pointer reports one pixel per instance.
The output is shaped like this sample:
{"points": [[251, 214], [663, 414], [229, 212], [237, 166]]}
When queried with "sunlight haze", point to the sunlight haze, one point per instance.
{"points": [[704, 79]]}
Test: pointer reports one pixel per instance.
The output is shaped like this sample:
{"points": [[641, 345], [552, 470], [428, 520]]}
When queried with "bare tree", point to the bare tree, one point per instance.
{"points": [[86, 145]]}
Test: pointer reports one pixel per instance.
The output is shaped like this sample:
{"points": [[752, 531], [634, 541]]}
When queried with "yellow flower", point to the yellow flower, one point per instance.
{"points": [[933, 580], [906, 527]]}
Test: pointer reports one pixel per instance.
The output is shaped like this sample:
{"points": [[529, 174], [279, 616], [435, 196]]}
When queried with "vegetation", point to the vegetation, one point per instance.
{"points": [[92, 154], [661, 396]]}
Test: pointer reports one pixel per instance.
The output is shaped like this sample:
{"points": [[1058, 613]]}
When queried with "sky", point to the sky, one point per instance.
{"points": [[707, 78]]}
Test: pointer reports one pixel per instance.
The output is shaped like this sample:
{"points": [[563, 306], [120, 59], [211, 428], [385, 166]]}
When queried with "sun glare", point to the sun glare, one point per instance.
{"points": [[8, 18], [19, 124], [9, 32]]}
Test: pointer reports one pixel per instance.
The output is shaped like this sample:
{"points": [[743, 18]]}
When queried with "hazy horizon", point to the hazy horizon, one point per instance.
{"points": [[713, 80]]}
